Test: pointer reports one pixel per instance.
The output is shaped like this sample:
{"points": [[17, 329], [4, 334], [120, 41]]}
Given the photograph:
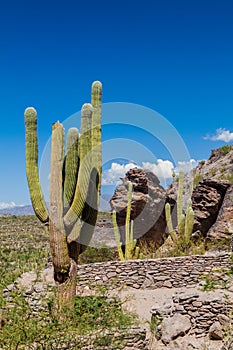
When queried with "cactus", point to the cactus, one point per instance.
{"points": [[74, 188], [131, 250], [184, 222]]}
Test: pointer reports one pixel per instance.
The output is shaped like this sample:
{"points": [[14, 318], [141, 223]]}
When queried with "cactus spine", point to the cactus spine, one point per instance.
{"points": [[74, 187], [184, 222], [131, 251]]}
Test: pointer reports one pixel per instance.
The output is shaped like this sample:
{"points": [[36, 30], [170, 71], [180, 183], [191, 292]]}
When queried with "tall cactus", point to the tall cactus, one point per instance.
{"points": [[75, 177]]}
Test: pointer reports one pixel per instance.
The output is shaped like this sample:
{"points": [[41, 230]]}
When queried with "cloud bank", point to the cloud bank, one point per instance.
{"points": [[163, 169], [221, 135], [112, 176], [4, 205]]}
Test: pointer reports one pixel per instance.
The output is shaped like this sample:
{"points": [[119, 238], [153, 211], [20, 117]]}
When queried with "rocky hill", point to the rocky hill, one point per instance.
{"points": [[218, 166]]}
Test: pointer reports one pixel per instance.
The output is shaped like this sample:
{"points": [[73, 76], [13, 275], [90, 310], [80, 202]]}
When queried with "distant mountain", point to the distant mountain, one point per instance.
{"points": [[18, 210]]}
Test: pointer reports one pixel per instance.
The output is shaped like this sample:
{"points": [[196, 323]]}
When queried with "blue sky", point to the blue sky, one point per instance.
{"points": [[174, 57]]}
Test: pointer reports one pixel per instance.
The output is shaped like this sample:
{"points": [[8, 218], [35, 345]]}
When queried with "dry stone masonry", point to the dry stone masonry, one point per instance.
{"points": [[194, 313], [184, 319], [153, 273]]}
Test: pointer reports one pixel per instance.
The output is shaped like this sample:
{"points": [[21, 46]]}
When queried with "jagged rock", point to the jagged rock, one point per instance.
{"points": [[219, 165], [173, 327], [148, 204], [223, 227], [215, 331], [207, 199]]}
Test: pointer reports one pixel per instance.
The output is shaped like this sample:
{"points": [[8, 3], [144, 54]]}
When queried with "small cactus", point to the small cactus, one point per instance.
{"points": [[131, 250], [185, 222]]}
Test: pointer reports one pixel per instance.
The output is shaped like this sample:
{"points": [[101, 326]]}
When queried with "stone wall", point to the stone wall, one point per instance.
{"points": [[197, 314], [155, 273], [200, 315]]}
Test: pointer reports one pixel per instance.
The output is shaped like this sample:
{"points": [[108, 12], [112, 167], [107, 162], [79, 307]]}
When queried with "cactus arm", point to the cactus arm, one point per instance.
{"points": [[128, 247], [57, 233], [96, 132], [116, 233], [171, 230], [137, 253], [181, 227], [189, 222], [179, 196], [38, 203], [91, 206], [71, 167], [82, 185]]}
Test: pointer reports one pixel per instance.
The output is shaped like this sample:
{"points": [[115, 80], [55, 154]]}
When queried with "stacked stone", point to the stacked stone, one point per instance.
{"points": [[207, 315], [175, 272]]}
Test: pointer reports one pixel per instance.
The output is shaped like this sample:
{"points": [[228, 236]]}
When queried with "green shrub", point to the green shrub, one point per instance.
{"points": [[225, 149]]}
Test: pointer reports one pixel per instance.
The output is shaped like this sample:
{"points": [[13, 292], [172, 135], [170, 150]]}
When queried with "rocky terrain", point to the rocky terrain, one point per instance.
{"points": [[219, 165], [175, 312], [211, 200]]}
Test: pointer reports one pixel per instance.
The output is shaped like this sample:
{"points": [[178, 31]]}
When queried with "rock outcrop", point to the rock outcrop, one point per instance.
{"points": [[219, 165], [211, 200], [207, 199], [223, 227], [147, 207]]}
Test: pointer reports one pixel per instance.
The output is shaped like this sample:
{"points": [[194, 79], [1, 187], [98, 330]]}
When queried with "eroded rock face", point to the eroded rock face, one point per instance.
{"points": [[207, 199], [223, 227], [219, 165], [148, 204]]}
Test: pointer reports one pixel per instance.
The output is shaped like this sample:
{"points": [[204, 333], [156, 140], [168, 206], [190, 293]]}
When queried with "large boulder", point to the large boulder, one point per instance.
{"points": [[207, 199], [174, 327], [223, 227], [147, 206]]}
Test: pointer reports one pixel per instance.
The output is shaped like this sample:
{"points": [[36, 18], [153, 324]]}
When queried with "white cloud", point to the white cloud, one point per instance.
{"points": [[4, 205], [221, 135], [163, 169], [112, 176]]}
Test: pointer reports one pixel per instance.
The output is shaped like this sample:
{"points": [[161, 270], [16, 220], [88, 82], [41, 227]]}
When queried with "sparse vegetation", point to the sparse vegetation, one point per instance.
{"points": [[91, 255], [196, 179], [155, 326], [209, 283], [229, 177], [25, 247], [225, 149], [213, 172]]}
